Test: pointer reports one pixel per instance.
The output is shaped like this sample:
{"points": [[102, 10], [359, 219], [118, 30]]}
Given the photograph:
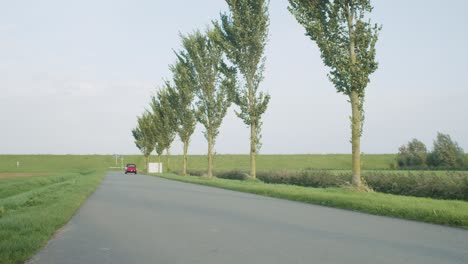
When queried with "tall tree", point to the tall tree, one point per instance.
{"points": [[346, 39], [243, 35], [214, 82], [144, 136], [182, 96], [165, 124], [446, 153], [414, 154]]}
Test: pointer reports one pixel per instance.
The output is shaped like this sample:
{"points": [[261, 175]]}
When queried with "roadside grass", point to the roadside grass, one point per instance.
{"points": [[33, 208], [56, 163], [442, 212]]}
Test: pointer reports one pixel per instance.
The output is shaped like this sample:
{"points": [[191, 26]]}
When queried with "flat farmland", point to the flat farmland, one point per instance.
{"points": [[224, 162]]}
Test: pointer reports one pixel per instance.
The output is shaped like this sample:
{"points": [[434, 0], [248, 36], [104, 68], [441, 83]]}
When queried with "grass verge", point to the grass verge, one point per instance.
{"points": [[443, 212], [33, 208]]}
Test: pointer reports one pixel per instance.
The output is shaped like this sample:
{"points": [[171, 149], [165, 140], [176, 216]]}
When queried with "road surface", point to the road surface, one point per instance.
{"points": [[142, 219]]}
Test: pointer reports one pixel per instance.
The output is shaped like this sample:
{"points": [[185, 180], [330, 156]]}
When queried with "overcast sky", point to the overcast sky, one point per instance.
{"points": [[75, 74]]}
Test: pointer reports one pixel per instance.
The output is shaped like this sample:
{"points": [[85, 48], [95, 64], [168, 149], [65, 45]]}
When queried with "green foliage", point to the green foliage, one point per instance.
{"points": [[214, 83], [233, 175], [196, 173], [306, 178], [446, 153], [448, 186], [214, 80], [345, 36], [452, 185], [414, 154], [243, 34], [145, 138], [182, 96], [346, 39], [164, 119]]}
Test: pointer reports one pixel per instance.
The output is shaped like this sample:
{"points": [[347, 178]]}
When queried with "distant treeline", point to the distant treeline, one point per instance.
{"points": [[446, 154]]}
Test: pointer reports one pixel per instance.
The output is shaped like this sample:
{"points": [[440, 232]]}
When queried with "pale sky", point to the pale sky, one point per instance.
{"points": [[75, 74]]}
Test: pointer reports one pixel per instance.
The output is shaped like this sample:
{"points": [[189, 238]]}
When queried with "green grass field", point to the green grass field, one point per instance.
{"points": [[74, 163], [67, 163], [55, 163], [43, 193], [38, 199]]}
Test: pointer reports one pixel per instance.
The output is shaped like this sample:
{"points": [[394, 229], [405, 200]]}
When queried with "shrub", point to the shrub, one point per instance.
{"points": [[446, 153], [450, 186], [233, 175], [453, 185], [195, 173], [306, 178], [414, 154]]}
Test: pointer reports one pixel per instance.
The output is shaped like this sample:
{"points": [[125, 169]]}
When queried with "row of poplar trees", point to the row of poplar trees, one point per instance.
{"points": [[225, 65]]}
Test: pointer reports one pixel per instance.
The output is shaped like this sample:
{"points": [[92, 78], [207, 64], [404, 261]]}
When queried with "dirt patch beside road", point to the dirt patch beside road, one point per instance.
{"points": [[4, 175]]}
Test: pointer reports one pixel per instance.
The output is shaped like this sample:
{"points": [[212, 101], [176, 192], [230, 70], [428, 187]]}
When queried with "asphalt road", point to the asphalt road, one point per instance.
{"points": [[142, 219]]}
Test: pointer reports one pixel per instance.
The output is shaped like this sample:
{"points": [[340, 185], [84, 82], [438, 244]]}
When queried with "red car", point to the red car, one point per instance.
{"points": [[130, 168]]}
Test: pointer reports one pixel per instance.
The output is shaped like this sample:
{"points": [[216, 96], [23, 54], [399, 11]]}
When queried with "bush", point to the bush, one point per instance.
{"points": [[198, 173], [446, 153], [414, 154], [306, 178], [450, 186], [453, 185], [233, 175]]}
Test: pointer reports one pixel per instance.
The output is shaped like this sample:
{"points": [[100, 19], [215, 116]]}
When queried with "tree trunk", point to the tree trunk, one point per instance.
{"points": [[253, 130], [356, 139], [184, 169], [210, 155], [356, 108], [146, 163], [167, 159], [253, 151]]}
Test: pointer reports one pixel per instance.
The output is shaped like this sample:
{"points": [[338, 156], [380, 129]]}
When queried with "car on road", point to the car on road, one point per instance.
{"points": [[130, 168]]}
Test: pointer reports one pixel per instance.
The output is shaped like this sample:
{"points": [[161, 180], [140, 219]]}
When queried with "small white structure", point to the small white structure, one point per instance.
{"points": [[155, 167]]}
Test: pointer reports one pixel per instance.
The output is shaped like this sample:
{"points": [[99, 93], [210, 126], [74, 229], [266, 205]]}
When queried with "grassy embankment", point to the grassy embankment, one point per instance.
{"points": [[38, 198], [444, 212]]}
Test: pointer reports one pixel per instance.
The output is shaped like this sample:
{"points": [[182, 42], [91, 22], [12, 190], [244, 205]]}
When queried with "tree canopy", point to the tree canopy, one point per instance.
{"points": [[243, 35], [214, 82], [346, 39]]}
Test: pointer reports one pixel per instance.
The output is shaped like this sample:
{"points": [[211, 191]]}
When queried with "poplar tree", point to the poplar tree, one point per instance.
{"points": [[213, 81], [143, 134], [164, 121], [346, 39], [446, 153], [182, 96], [243, 34]]}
